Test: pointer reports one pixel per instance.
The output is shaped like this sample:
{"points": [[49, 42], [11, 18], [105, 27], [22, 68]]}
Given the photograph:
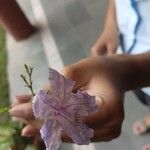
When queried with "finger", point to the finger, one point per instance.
{"points": [[30, 131], [36, 123], [105, 116], [100, 119], [105, 134], [22, 111], [80, 72], [21, 99], [98, 49], [111, 49], [100, 135], [73, 72]]}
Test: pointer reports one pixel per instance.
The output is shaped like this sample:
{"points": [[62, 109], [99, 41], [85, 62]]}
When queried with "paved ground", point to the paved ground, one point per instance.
{"points": [[68, 31]]}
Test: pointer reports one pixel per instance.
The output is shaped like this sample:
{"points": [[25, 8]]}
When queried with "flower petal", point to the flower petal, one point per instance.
{"points": [[43, 106], [51, 134], [60, 85], [81, 103], [63, 110], [79, 132], [88, 103]]}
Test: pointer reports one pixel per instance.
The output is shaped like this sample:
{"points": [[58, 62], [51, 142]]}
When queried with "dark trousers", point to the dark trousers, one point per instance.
{"points": [[144, 98]]}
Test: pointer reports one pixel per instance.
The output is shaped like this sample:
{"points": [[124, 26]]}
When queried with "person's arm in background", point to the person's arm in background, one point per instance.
{"points": [[108, 78], [108, 41], [137, 70]]}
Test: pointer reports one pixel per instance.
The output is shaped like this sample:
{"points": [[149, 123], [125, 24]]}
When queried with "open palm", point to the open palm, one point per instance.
{"points": [[99, 76]]}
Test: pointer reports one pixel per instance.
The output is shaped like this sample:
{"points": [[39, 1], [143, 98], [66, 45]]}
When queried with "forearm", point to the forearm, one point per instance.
{"points": [[110, 20], [135, 71]]}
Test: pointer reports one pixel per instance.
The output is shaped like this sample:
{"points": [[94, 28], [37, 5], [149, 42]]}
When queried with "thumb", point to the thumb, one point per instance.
{"points": [[79, 72], [72, 72]]}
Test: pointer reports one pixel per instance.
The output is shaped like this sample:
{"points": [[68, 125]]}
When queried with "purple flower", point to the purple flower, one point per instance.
{"points": [[63, 110]]}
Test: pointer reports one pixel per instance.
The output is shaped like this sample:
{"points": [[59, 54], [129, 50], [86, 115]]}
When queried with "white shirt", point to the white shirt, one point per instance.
{"points": [[133, 18]]}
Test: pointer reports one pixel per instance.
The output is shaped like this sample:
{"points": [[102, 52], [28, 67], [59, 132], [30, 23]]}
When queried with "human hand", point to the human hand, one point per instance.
{"points": [[99, 76], [107, 43], [21, 109]]}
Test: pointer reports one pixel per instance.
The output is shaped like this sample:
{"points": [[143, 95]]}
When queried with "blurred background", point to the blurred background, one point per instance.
{"points": [[57, 33]]}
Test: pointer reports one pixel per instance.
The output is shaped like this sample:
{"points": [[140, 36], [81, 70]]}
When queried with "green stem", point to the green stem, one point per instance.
{"points": [[28, 83], [31, 84]]}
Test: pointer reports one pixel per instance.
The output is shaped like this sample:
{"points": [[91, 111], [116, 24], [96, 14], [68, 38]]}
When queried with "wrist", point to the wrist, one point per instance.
{"points": [[135, 72], [110, 27]]}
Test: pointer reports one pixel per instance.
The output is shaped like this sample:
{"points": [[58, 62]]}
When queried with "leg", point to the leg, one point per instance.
{"points": [[14, 21]]}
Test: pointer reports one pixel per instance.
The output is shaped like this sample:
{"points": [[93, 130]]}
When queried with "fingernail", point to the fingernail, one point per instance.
{"points": [[26, 134]]}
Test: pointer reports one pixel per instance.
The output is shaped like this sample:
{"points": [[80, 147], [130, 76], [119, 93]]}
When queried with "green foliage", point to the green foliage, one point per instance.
{"points": [[4, 96], [4, 110], [10, 136], [10, 131], [6, 128]]}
